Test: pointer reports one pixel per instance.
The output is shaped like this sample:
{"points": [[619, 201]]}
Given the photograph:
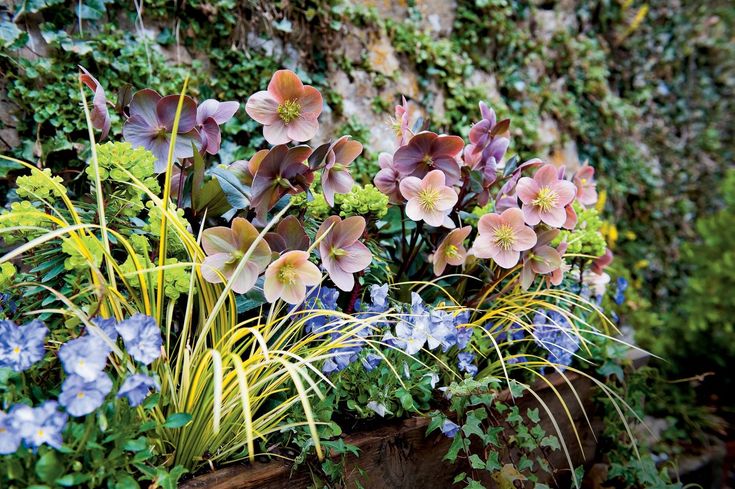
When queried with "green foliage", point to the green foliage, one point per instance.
{"points": [[37, 186], [586, 237]]}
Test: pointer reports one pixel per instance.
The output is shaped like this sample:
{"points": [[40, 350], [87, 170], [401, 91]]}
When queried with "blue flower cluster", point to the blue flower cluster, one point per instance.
{"points": [[86, 385], [621, 286], [553, 332]]}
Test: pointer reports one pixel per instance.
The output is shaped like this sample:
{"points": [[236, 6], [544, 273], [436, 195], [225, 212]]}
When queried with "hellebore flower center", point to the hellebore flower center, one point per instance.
{"points": [[289, 110], [287, 274], [546, 199], [504, 236], [428, 198]]}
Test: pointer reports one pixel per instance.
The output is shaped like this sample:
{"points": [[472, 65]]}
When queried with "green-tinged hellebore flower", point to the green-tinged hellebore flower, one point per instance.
{"points": [[342, 254], [226, 247], [288, 276]]}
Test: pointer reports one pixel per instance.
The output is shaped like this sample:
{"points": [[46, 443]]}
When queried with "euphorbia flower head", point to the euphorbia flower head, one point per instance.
{"points": [[342, 254], [502, 237], [99, 115], [428, 151], [584, 179], [280, 171], [151, 123], [336, 176], [451, 250], [226, 247], [429, 199], [387, 180], [545, 196], [542, 259], [210, 115], [288, 110], [288, 276]]}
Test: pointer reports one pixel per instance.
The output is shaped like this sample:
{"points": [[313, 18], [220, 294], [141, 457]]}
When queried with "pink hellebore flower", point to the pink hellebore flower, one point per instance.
{"points": [[225, 248], [342, 254], [545, 196], [502, 237], [399, 124], [288, 110], [99, 114], [542, 259], [584, 179], [427, 151], [429, 199], [451, 250], [288, 276], [336, 178], [601, 263], [210, 115], [387, 180], [151, 123]]}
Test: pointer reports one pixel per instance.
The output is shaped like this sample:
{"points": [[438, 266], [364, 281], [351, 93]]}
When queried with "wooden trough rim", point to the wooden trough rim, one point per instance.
{"points": [[239, 475]]}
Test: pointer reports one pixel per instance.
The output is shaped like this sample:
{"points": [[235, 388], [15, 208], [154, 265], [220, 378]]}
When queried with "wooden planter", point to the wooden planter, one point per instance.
{"points": [[400, 455]]}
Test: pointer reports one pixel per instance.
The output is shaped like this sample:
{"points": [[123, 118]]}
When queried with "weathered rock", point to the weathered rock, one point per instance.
{"points": [[382, 56]]}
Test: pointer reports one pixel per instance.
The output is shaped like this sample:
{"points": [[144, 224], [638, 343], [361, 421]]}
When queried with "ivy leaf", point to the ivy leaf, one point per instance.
{"points": [[532, 415], [458, 444], [177, 420], [476, 462], [551, 442], [472, 425], [506, 476], [493, 462], [92, 9]]}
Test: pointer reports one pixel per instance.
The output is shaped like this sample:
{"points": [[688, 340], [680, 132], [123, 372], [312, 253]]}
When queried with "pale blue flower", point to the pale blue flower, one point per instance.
{"points": [[10, 437], [553, 332], [136, 388], [464, 363], [22, 346], [43, 424], [85, 356], [142, 337], [449, 428], [320, 298], [464, 335], [378, 408], [81, 397], [379, 297], [107, 325], [371, 361]]}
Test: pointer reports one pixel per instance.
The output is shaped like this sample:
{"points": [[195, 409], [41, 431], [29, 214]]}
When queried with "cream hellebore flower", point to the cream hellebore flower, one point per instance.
{"points": [[429, 199], [342, 254], [502, 237], [225, 247], [451, 250], [288, 276]]}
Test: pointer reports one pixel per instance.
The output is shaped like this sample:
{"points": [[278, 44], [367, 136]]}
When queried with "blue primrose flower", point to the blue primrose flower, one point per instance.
{"points": [[320, 298], [449, 428], [107, 325], [142, 337], [80, 397], [554, 333], [464, 363], [137, 387], [85, 357], [39, 425], [10, 437], [22, 346], [379, 298]]}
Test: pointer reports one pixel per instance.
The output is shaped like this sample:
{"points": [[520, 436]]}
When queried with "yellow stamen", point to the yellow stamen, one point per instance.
{"points": [[504, 237], [546, 199], [451, 251], [287, 274], [289, 110], [428, 198]]}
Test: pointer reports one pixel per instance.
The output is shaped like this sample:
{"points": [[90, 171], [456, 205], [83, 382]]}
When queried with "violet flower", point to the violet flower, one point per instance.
{"points": [[428, 151], [226, 247], [336, 176], [429, 199], [22, 346], [545, 196], [288, 110], [151, 123], [80, 396], [451, 250], [342, 254], [99, 115], [502, 237], [40, 425], [136, 388], [288, 276], [388, 179], [210, 115], [142, 337]]}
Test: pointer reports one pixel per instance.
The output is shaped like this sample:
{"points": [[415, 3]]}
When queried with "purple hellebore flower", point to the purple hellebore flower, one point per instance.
{"points": [[399, 124], [289, 235], [288, 110], [428, 151], [210, 115], [388, 179], [142, 337], [151, 122], [22, 346], [99, 114], [136, 388], [545, 197], [336, 178], [80, 397], [502, 237], [342, 254]]}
